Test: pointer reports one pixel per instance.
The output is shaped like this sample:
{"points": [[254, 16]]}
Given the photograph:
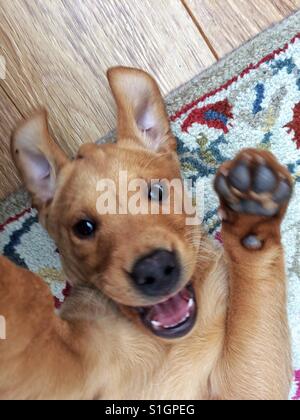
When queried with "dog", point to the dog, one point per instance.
{"points": [[156, 311]]}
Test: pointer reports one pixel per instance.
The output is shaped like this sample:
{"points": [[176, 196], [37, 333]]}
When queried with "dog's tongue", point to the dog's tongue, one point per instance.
{"points": [[171, 312]]}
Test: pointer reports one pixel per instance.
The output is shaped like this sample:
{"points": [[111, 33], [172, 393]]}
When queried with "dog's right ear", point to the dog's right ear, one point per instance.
{"points": [[142, 114], [37, 157]]}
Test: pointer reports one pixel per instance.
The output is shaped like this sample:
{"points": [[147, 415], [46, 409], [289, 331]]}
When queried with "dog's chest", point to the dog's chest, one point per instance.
{"points": [[150, 371]]}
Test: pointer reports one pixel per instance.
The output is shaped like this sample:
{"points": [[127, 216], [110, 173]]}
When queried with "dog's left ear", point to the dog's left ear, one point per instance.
{"points": [[141, 110]]}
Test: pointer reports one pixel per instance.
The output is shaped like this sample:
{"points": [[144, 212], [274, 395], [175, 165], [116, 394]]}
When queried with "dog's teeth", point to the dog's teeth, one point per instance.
{"points": [[156, 324], [185, 318], [191, 303], [180, 322]]}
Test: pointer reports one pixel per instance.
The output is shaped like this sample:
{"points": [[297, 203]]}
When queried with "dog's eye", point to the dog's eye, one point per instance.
{"points": [[156, 192], [85, 229]]}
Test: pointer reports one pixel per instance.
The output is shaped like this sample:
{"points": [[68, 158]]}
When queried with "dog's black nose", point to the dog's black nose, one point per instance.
{"points": [[157, 274]]}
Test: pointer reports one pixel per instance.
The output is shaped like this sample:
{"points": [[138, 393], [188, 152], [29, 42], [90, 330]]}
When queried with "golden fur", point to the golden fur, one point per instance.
{"points": [[98, 348]]}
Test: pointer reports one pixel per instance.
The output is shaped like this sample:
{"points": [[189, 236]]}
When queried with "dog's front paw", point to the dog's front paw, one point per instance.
{"points": [[253, 184]]}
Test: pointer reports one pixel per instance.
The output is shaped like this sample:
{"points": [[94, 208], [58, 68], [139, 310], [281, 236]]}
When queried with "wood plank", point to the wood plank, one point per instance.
{"points": [[57, 53], [229, 23], [9, 116]]}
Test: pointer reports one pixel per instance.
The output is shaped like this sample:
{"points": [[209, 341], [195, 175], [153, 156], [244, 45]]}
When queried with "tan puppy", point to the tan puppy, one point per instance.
{"points": [[156, 312]]}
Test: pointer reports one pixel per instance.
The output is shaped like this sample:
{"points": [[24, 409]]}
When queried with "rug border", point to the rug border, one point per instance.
{"points": [[235, 62], [230, 66], [14, 204]]}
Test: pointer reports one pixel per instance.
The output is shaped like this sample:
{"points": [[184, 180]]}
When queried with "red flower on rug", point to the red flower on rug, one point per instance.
{"points": [[297, 378], [295, 125], [215, 115], [66, 293]]}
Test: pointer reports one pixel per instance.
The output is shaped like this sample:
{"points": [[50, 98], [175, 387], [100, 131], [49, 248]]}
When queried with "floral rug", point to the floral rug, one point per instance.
{"points": [[226, 108]]}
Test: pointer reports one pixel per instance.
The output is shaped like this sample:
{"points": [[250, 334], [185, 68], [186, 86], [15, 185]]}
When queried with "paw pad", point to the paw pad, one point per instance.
{"points": [[252, 242], [254, 185]]}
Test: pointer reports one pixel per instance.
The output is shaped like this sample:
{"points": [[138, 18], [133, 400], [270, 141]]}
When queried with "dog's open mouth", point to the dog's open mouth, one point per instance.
{"points": [[173, 318]]}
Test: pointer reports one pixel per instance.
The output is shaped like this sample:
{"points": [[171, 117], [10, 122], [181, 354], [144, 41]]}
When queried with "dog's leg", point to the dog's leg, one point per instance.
{"points": [[254, 191], [41, 356]]}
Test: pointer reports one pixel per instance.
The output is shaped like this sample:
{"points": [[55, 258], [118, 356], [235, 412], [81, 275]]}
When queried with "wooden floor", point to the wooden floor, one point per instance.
{"points": [[57, 52]]}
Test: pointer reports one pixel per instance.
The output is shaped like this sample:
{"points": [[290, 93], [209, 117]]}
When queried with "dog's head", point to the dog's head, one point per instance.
{"points": [[143, 262]]}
